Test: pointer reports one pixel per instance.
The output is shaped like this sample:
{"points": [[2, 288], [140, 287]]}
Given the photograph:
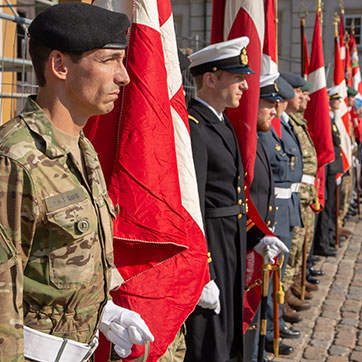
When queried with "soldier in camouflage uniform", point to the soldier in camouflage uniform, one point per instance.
{"points": [[307, 193], [347, 179], [56, 255]]}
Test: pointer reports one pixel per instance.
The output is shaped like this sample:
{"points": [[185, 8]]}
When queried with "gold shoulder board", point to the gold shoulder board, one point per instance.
{"points": [[193, 119]]}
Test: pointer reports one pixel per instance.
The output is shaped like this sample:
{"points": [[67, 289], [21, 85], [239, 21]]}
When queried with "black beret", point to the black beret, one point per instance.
{"points": [[76, 27], [286, 91], [294, 80]]}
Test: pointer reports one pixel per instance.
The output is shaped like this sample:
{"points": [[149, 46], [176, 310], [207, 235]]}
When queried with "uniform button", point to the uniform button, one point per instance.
{"points": [[245, 174], [270, 208], [275, 222], [240, 202], [277, 208], [240, 216], [268, 223], [246, 200], [83, 225], [245, 187], [238, 177], [340, 154], [239, 189]]}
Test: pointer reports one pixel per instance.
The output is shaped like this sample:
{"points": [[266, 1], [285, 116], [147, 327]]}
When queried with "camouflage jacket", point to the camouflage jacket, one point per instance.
{"points": [[307, 192], [56, 239]]}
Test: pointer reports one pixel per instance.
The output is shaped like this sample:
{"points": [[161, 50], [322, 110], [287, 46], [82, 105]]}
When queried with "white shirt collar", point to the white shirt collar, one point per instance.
{"points": [[218, 114], [284, 116]]}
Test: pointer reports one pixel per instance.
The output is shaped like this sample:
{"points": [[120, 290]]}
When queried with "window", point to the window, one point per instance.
{"points": [[356, 20]]}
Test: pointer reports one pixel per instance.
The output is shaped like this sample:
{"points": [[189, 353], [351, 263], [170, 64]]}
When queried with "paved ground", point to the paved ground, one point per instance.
{"points": [[332, 328]]}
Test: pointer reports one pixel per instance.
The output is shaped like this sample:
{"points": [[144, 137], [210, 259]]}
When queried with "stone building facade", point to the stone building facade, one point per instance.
{"points": [[193, 27]]}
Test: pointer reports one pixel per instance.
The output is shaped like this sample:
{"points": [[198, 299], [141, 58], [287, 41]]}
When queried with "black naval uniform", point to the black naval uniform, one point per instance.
{"points": [[262, 195], [321, 238], [220, 177]]}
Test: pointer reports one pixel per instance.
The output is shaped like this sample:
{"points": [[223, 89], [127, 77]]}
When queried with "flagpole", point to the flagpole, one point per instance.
{"points": [[276, 274], [276, 29], [302, 24], [319, 10], [302, 30]]}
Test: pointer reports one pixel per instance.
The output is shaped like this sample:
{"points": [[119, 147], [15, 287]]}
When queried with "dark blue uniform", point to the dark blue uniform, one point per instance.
{"points": [[285, 157], [262, 195]]}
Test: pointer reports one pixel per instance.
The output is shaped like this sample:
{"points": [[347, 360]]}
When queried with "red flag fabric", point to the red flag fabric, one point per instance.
{"points": [[341, 117], [317, 112], [277, 126], [232, 19], [356, 73], [269, 62], [305, 55], [145, 149]]}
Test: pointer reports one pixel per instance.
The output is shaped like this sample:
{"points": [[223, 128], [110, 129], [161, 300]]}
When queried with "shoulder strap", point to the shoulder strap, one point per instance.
{"points": [[193, 119]]}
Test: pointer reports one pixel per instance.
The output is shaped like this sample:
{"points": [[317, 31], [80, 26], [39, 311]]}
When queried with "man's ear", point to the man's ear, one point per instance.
{"points": [[209, 79], [58, 64]]}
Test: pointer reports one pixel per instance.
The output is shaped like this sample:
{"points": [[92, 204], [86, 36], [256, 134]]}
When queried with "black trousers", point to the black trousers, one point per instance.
{"points": [[321, 239]]}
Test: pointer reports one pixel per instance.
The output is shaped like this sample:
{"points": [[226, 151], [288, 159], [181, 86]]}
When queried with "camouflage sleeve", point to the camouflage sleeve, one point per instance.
{"points": [[18, 215]]}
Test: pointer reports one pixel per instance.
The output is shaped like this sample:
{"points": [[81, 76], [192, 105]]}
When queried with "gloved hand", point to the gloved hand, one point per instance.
{"points": [[123, 328], [355, 161], [210, 297], [272, 245], [339, 180]]}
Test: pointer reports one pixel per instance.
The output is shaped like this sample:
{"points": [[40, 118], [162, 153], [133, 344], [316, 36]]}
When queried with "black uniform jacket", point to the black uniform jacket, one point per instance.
{"points": [[337, 165], [220, 177], [262, 194]]}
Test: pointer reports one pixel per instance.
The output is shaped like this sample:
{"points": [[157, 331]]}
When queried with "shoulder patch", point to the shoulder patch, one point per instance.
{"points": [[193, 119]]}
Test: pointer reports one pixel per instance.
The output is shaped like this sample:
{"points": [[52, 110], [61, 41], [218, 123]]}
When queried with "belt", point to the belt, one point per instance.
{"points": [[283, 192], [211, 212], [295, 187], [307, 179], [44, 347]]}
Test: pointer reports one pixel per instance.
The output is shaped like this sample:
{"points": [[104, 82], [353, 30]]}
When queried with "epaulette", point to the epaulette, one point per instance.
{"points": [[194, 119]]}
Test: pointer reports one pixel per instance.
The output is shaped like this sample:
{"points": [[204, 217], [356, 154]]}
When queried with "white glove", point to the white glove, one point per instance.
{"points": [[210, 297], [272, 246], [339, 180], [355, 161], [124, 328]]}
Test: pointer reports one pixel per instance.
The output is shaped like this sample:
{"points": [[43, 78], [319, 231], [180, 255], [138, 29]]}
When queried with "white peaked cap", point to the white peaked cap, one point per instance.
{"points": [[229, 55], [268, 79]]}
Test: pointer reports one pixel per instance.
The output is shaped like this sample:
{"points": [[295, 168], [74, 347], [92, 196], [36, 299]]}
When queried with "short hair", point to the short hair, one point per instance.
{"points": [[39, 54], [199, 79]]}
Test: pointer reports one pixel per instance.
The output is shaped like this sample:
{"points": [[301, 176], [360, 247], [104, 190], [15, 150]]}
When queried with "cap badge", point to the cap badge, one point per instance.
{"points": [[244, 57], [275, 86]]}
